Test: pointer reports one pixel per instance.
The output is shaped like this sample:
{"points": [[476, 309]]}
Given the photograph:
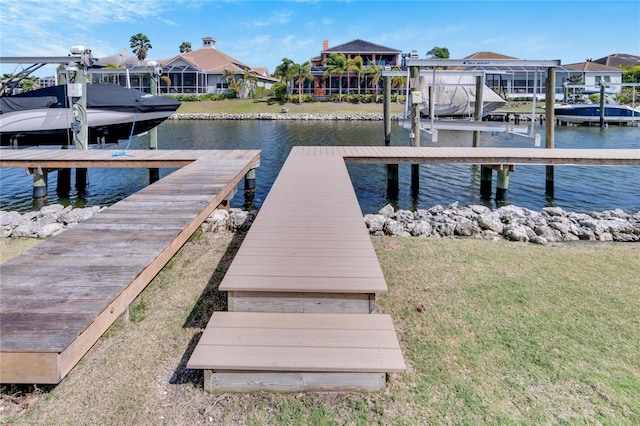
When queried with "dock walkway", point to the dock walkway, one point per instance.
{"points": [[58, 298], [302, 287]]}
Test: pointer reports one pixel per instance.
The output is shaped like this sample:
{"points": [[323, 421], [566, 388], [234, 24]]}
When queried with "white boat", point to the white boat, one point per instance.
{"points": [[588, 113], [44, 117]]}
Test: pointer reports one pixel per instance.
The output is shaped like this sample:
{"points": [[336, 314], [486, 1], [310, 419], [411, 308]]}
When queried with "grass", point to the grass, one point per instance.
{"points": [[254, 106], [492, 333]]}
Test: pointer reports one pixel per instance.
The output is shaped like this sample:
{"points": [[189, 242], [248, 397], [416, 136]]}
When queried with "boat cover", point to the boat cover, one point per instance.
{"points": [[99, 96], [12, 103], [455, 95]]}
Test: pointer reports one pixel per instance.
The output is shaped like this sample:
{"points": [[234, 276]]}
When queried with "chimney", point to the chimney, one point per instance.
{"points": [[325, 44]]}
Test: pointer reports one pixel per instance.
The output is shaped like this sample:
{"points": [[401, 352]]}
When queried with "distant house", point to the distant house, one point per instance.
{"points": [[593, 73], [617, 59], [370, 53], [202, 71]]}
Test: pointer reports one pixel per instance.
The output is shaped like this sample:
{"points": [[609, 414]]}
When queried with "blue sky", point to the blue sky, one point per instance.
{"points": [[261, 33]]}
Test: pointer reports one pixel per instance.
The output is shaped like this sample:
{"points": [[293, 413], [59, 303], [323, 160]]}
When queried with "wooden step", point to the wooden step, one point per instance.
{"points": [[291, 352]]}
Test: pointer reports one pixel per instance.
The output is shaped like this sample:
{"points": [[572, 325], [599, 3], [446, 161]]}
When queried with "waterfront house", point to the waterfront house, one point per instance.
{"points": [[203, 71], [351, 83]]}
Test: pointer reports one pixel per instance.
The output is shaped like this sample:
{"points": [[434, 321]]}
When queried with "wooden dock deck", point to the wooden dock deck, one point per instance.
{"points": [[58, 298], [306, 262]]}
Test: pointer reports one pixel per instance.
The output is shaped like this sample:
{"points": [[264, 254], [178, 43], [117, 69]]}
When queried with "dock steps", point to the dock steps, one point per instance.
{"points": [[288, 352]]}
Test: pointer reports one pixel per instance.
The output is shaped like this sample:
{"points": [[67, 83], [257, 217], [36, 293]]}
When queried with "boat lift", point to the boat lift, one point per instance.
{"points": [[77, 64], [430, 67]]}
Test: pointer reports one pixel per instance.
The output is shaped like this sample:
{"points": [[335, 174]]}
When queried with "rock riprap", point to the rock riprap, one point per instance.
{"points": [[513, 223]]}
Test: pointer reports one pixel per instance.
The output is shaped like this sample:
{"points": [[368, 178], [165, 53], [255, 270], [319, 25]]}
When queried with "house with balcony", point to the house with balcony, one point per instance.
{"points": [[351, 82]]}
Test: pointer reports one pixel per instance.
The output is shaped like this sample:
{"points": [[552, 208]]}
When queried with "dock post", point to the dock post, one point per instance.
{"points": [[63, 186], [486, 174], [549, 126], [477, 112], [602, 103], [415, 127], [64, 183], [502, 185], [81, 181], [154, 173], [393, 183], [40, 183], [387, 110], [250, 181], [250, 189]]}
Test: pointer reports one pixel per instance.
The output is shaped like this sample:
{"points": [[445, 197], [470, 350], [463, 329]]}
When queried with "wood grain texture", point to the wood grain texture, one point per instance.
{"points": [[58, 298]]}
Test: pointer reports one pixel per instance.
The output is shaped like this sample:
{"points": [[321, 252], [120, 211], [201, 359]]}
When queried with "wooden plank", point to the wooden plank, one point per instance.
{"points": [[310, 302], [253, 381], [282, 283]]}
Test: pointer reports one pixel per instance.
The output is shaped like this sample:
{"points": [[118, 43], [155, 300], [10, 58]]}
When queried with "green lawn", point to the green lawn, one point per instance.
{"points": [[492, 333]]}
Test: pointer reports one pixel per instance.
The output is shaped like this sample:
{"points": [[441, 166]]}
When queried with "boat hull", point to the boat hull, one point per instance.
{"points": [[590, 114], [113, 113]]}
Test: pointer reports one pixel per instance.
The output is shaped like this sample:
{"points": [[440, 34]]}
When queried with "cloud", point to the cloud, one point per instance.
{"points": [[277, 18], [39, 28]]}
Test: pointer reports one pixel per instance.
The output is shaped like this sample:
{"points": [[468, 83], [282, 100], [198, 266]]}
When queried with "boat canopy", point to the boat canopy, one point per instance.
{"points": [[455, 95]]}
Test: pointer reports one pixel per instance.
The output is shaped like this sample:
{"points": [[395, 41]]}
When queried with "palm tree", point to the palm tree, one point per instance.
{"points": [[302, 73], [284, 72], [399, 82], [185, 47], [336, 64], [249, 80], [356, 64], [232, 83], [140, 44], [439, 52], [374, 70]]}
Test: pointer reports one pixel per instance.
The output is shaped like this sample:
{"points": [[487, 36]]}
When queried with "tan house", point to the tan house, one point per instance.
{"points": [[201, 71]]}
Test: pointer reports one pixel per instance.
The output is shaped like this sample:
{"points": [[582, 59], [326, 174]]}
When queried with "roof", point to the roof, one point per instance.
{"points": [[482, 55], [361, 46], [591, 66], [488, 55], [210, 61], [617, 59]]}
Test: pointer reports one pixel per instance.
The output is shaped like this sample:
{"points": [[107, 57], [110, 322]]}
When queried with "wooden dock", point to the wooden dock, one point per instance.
{"points": [[302, 294], [58, 298], [306, 262], [303, 285]]}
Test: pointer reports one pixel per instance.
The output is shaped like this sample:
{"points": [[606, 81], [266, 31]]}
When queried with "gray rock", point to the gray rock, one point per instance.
{"points": [[491, 221], [50, 230], [516, 233], [387, 210], [375, 222], [10, 219], [421, 229]]}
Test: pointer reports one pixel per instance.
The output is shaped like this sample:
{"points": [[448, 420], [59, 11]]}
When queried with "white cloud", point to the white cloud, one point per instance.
{"points": [[41, 28]]}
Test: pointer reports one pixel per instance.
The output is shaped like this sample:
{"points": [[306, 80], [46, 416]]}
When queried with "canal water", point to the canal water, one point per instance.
{"points": [[578, 188]]}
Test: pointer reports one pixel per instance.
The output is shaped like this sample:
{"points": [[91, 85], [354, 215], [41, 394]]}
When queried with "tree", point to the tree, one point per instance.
{"points": [[356, 64], [232, 83], [398, 82], [336, 64], [284, 72], [249, 81], [29, 83], [185, 47], [375, 71], [140, 44], [302, 73], [439, 52]]}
